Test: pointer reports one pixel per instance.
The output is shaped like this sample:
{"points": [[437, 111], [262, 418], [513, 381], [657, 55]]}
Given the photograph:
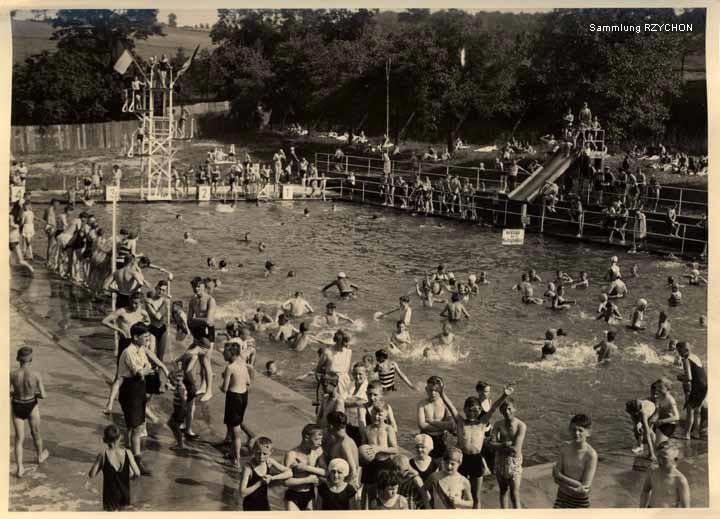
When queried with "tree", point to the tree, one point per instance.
{"points": [[172, 20], [104, 32], [626, 77]]}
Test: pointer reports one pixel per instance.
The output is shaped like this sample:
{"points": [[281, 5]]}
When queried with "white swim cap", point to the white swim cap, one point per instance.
{"points": [[341, 275], [614, 259], [424, 439], [472, 278], [642, 302], [340, 465]]}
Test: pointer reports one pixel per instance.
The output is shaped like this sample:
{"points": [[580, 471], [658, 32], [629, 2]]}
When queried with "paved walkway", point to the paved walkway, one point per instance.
{"points": [[69, 353]]}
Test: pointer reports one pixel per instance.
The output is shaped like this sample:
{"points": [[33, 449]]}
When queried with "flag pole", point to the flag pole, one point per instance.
{"points": [[387, 99]]}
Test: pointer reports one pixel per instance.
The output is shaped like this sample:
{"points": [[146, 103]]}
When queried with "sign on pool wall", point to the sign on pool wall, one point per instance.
{"points": [[513, 236], [112, 193], [203, 193]]}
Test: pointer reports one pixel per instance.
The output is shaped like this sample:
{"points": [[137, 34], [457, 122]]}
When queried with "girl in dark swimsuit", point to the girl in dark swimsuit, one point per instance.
{"points": [[257, 476], [118, 466]]}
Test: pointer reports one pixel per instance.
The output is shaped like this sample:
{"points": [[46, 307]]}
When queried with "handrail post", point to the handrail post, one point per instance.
{"points": [[542, 218], [363, 190], [680, 202], [682, 245], [369, 159], [477, 179], [347, 160], [505, 217], [341, 188]]}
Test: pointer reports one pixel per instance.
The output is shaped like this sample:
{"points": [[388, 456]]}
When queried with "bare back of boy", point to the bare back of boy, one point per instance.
{"points": [[25, 384], [239, 376]]}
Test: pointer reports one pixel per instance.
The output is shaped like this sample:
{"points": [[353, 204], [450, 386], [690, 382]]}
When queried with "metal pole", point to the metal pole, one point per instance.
{"points": [[369, 165], [363, 190], [114, 255], [680, 203], [477, 179], [387, 100], [347, 159], [505, 217], [682, 246], [542, 218]]}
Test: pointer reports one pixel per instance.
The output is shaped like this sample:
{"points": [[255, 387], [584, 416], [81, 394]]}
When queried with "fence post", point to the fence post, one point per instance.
{"points": [[368, 171], [680, 203], [682, 245], [477, 179], [542, 219]]}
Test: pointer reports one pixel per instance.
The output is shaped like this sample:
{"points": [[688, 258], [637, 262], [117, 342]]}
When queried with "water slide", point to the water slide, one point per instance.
{"points": [[551, 170]]}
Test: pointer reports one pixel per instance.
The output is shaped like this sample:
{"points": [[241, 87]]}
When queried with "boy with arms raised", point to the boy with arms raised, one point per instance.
{"points": [[471, 431], [575, 470]]}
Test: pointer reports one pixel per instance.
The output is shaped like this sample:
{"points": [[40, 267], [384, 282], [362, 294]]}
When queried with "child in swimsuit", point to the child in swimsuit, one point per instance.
{"points": [[663, 331], [335, 493], [257, 475], [509, 436], [387, 369], [26, 387], [401, 338], [388, 498], [118, 466]]}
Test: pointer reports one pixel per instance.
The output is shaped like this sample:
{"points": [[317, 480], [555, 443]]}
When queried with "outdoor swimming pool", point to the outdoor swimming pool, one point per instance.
{"points": [[384, 256]]}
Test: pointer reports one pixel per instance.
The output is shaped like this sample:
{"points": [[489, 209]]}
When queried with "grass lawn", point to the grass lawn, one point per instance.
{"points": [[31, 37]]}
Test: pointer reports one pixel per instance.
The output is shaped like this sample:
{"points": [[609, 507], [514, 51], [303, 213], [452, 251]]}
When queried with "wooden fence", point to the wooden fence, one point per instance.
{"points": [[72, 137]]}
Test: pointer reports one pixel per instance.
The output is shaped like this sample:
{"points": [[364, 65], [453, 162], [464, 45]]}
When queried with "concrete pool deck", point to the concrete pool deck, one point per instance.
{"points": [[200, 479]]}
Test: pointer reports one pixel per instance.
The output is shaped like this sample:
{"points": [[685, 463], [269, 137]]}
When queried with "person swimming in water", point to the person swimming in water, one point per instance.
{"points": [[527, 292], [401, 338], [454, 310], [347, 289], [188, 240], [333, 318]]}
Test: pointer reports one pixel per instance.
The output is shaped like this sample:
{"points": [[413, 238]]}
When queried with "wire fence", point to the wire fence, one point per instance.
{"points": [[688, 200], [488, 207]]}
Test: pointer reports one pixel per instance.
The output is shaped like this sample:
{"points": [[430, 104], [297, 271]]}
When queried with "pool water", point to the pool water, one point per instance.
{"points": [[385, 252]]}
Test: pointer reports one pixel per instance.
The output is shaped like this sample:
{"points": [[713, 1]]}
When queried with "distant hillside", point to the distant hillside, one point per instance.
{"points": [[31, 37]]}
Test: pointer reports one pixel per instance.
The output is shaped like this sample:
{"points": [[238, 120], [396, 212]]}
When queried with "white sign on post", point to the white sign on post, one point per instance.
{"points": [[112, 194], [16, 193], [203, 193], [513, 236]]}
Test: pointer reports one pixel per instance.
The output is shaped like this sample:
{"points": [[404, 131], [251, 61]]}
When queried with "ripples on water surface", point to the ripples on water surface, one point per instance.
{"points": [[385, 255]]}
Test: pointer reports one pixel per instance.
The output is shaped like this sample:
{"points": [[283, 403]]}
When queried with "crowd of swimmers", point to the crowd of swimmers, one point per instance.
{"points": [[350, 457]]}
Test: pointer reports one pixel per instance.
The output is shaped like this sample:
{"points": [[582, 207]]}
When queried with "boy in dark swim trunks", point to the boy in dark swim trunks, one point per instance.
{"points": [[25, 388], [236, 381], [303, 460], [575, 469]]}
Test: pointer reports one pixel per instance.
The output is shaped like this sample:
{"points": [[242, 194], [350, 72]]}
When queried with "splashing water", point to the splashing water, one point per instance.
{"points": [[668, 264], [647, 354], [425, 350], [575, 355], [243, 309], [318, 321]]}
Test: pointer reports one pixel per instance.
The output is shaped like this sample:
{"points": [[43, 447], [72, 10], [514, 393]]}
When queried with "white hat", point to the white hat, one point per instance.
{"points": [[341, 275]]}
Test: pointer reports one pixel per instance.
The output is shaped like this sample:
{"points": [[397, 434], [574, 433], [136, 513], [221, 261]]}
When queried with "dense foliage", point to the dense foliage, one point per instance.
{"points": [[327, 67]]}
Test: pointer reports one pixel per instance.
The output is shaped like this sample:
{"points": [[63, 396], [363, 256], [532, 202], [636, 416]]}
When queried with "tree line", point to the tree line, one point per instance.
{"points": [[448, 72]]}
